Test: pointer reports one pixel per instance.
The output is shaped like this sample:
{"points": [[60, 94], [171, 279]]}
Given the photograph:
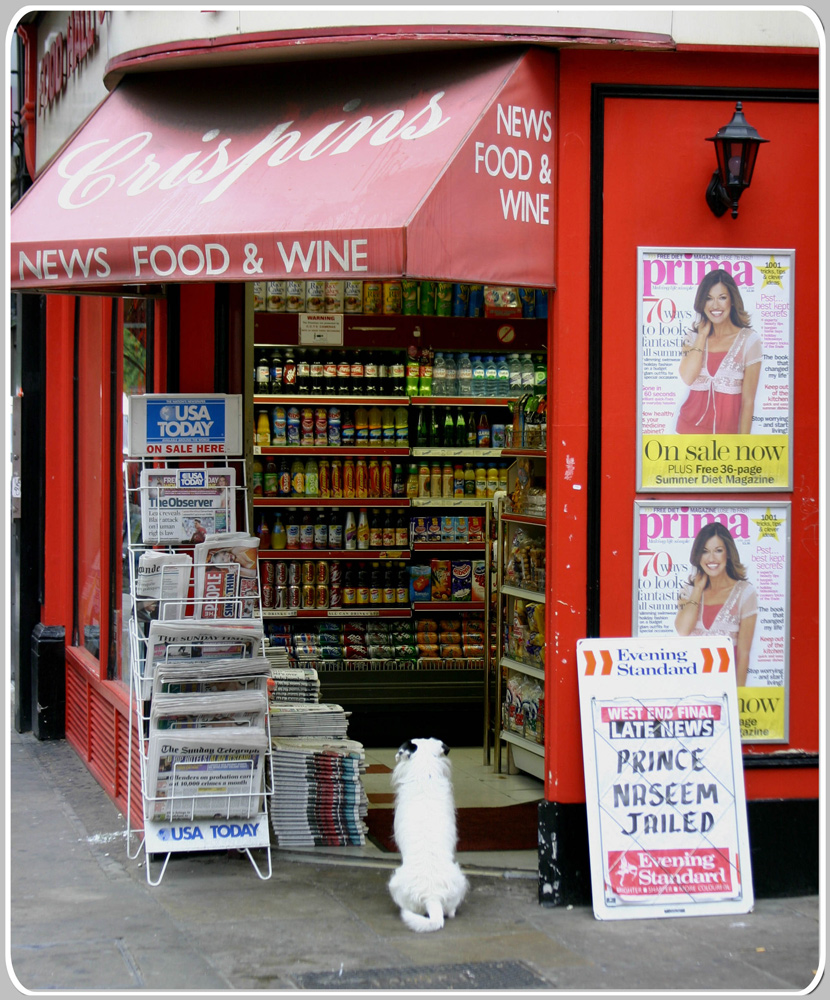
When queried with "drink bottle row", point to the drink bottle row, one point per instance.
{"points": [[386, 372], [322, 585], [332, 426], [335, 479], [438, 427], [305, 529]]}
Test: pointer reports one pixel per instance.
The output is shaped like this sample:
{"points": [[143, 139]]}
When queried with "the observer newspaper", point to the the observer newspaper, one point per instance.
{"points": [[668, 537], [709, 426], [186, 505]]}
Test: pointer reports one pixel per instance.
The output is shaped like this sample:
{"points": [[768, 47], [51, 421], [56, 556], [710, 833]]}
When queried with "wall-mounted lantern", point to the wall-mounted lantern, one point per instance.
{"points": [[736, 147]]}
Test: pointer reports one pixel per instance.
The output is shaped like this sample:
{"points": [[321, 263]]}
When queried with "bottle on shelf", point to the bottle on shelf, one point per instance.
{"points": [[388, 586], [349, 586], [402, 588], [350, 531], [503, 477], [458, 480], [363, 529], [375, 585], [258, 479], [370, 375], [262, 374], [436, 438], [401, 531], [321, 529], [292, 529], [435, 479], [447, 481], [321, 426], [528, 373], [307, 531], [361, 427], [477, 376], [449, 429], [472, 431], [361, 479], [460, 440], [278, 535], [514, 366], [375, 420], [284, 478], [469, 480], [388, 530], [502, 377], [422, 429], [439, 375], [384, 388], [347, 428], [270, 479], [465, 375], [298, 478], [491, 376], [279, 427], [275, 373], [344, 372], [329, 373], [480, 481], [425, 372], [483, 431], [303, 374], [397, 375], [412, 481], [399, 481], [375, 529], [401, 427], [312, 478], [540, 374], [335, 536], [315, 371], [348, 479], [423, 478], [289, 373], [307, 426], [263, 428], [450, 375], [264, 534], [387, 427], [357, 374], [492, 481]]}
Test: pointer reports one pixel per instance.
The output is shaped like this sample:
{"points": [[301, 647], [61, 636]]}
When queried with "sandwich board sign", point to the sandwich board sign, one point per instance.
{"points": [[664, 782]]}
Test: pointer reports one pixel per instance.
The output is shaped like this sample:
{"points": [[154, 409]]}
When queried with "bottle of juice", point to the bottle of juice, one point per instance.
{"points": [[423, 479], [312, 480], [401, 427], [458, 480], [258, 479], [363, 529], [278, 536], [481, 481], [435, 479], [361, 427], [298, 478], [375, 427], [263, 428], [412, 482], [270, 479], [492, 480], [292, 529], [447, 480], [469, 480], [350, 531]]}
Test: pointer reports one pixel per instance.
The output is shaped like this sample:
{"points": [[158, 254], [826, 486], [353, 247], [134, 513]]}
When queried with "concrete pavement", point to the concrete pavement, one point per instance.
{"points": [[83, 918]]}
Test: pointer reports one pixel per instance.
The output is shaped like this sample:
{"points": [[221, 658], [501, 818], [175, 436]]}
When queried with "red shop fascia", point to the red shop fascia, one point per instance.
{"points": [[628, 167]]}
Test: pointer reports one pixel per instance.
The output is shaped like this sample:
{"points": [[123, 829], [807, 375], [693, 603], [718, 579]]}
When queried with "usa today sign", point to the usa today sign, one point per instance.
{"points": [[663, 777], [181, 425]]}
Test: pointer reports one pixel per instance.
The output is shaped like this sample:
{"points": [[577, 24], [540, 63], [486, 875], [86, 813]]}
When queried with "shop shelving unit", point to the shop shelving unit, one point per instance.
{"points": [[523, 753], [248, 806]]}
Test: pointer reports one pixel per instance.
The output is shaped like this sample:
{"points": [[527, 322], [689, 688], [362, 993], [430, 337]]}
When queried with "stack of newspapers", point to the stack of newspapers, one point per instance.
{"points": [[293, 684], [208, 736], [318, 798]]}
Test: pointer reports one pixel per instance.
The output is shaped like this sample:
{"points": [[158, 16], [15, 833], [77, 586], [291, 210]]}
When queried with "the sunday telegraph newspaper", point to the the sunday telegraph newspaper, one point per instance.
{"points": [[226, 582], [669, 538], [193, 639], [725, 423], [179, 506], [203, 773]]}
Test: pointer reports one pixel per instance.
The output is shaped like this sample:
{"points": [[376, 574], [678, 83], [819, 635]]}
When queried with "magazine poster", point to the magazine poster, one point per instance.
{"points": [[664, 782], [681, 550], [714, 369], [186, 505]]}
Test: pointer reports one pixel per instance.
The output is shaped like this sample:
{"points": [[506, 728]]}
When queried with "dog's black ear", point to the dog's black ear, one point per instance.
{"points": [[445, 749], [407, 748]]}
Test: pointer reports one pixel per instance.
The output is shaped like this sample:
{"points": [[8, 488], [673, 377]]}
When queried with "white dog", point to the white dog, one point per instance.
{"points": [[429, 879]]}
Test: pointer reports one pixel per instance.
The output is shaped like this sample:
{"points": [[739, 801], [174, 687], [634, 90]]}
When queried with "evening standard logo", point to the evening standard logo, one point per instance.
{"points": [[199, 422], [650, 663]]}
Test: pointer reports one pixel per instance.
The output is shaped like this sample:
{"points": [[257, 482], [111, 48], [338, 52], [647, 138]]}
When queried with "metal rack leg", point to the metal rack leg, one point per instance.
{"points": [[264, 878], [147, 869]]}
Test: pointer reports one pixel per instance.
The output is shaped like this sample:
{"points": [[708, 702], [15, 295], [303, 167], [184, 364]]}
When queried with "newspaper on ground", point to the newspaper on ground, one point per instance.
{"points": [[204, 773], [181, 506], [226, 581], [318, 797], [162, 581]]}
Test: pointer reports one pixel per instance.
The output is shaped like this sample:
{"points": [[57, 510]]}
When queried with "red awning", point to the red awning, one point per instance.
{"points": [[434, 166]]}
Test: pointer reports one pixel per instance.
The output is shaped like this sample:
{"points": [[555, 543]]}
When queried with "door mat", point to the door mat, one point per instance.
{"points": [[499, 828], [501, 976]]}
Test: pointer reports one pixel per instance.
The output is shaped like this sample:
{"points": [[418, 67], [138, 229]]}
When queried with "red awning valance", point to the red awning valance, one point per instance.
{"points": [[438, 166]]}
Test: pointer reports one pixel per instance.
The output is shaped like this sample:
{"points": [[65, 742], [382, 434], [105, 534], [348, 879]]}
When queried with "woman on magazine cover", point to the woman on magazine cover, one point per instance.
{"points": [[718, 599], [721, 361]]}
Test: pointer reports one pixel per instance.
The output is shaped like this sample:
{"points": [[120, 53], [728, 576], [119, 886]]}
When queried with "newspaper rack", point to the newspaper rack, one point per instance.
{"points": [[205, 779]]}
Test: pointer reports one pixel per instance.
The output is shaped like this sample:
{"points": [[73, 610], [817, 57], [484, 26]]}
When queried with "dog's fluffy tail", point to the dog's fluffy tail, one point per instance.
{"points": [[434, 920]]}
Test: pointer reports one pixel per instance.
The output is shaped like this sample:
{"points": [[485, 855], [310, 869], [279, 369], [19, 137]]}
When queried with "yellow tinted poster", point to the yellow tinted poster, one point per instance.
{"points": [[715, 369]]}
